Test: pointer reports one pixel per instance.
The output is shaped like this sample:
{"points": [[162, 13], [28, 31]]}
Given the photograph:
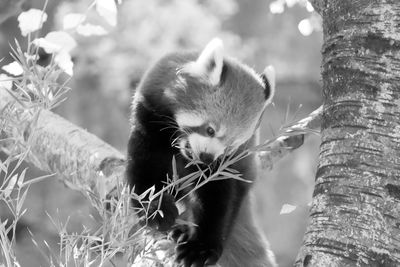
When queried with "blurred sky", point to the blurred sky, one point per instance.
{"points": [[107, 69]]}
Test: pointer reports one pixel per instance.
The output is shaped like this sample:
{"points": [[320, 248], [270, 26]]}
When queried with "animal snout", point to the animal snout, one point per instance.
{"points": [[206, 158]]}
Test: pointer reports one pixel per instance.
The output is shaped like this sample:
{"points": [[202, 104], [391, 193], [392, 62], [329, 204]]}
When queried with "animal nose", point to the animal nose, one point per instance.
{"points": [[206, 158]]}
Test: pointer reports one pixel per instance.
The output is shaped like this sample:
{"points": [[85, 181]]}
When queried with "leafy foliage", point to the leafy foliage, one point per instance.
{"points": [[145, 31]]}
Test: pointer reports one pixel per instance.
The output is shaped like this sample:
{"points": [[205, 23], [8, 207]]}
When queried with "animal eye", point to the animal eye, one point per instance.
{"points": [[210, 131]]}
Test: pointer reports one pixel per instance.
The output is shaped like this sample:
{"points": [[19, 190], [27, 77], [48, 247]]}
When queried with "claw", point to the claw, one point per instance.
{"points": [[183, 238], [212, 260], [194, 253]]}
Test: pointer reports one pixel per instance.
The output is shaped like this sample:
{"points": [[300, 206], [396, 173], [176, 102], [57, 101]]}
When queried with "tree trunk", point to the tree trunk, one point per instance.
{"points": [[355, 214]]}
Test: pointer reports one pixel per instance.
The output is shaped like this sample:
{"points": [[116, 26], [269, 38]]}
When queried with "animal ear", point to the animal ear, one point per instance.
{"points": [[210, 62], [268, 77]]}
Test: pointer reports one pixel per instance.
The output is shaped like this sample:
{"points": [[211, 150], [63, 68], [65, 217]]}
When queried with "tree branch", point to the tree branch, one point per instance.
{"points": [[79, 158], [292, 138]]}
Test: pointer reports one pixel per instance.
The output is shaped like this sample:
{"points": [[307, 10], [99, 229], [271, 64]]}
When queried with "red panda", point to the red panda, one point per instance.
{"points": [[203, 107]]}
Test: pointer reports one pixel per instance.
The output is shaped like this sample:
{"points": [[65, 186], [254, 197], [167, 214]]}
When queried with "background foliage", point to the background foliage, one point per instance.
{"points": [[108, 67]]}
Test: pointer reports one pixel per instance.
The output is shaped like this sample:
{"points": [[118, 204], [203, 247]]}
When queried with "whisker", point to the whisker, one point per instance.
{"points": [[169, 127], [176, 140]]}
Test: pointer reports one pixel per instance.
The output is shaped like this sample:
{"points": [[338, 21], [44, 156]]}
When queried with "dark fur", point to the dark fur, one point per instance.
{"points": [[150, 155]]}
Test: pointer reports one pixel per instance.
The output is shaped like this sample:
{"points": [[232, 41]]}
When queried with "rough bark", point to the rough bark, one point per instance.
{"points": [[319, 5], [355, 214]]}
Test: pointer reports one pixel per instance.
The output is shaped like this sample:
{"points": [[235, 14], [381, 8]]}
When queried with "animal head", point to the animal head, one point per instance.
{"points": [[219, 103]]}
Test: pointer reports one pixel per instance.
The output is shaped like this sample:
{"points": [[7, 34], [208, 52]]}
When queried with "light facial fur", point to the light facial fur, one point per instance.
{"points": [[221, 93], [227, 137]]}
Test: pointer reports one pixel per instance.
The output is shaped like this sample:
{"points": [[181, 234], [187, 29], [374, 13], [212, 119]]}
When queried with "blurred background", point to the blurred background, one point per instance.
{"points": [[108, 67]]}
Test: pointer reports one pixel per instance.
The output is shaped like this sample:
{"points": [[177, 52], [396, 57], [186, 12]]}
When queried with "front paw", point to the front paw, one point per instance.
{"points": [[180, 233], [194, 253], [162, 216]]}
